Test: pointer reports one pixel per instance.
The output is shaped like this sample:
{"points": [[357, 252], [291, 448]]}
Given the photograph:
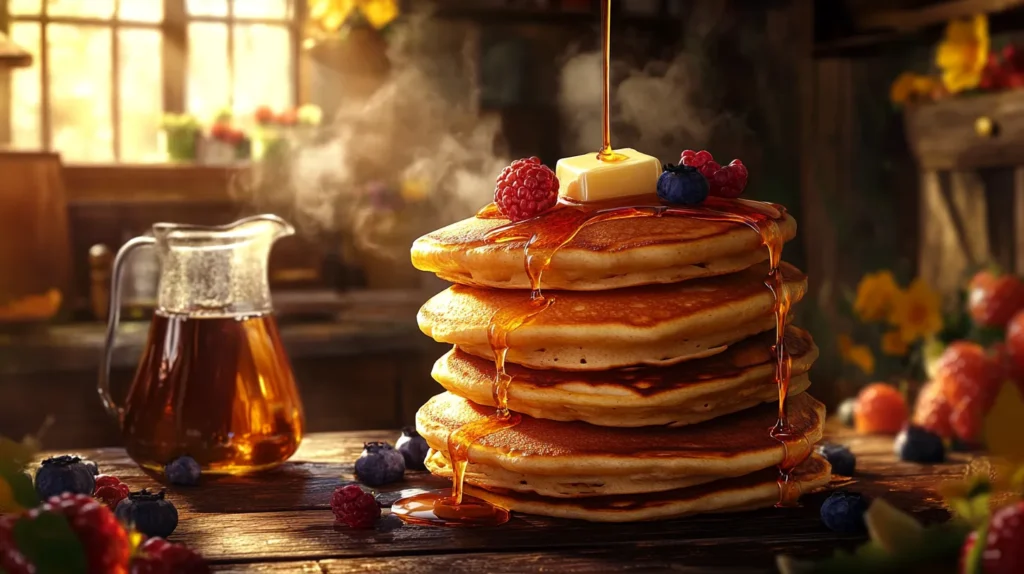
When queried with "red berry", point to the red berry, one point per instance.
{"points": [[220, 131], [12, 560], [967, 373], [880, 409], [264, 114], [1015, 348], [354, 507], [183, 560], [103, 539], [1004, 545], [994, 299], [932, 411], [288, 118], [695, 159], [525, 189], [965, 552], [967, 420], [158, 556], [111, 495], [106, 480]]}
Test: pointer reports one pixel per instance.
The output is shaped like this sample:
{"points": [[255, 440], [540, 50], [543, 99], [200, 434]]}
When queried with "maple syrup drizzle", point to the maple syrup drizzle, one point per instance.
{"points": [[544, 236]]}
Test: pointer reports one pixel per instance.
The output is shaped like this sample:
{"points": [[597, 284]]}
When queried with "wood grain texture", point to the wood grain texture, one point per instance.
{"points": [[280, 521]]}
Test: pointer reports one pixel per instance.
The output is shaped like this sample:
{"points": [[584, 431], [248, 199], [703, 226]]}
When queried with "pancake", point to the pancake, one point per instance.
{"points": [[756, 490], [604, 255], [728, 446], [687, 393], [587, 331]]}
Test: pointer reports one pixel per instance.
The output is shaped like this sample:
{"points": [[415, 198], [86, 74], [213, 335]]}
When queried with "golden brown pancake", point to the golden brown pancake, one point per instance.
{"points": [[605, 255], [586, 331], [727, 446], [686, 393], [756, 490]]}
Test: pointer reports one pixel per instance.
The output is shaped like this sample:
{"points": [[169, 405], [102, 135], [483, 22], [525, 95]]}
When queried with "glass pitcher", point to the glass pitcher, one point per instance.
{"points": [[214, 382]]}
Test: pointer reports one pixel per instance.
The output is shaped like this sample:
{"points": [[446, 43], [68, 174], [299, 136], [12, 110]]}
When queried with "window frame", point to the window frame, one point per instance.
{"points": [[174, 58]]}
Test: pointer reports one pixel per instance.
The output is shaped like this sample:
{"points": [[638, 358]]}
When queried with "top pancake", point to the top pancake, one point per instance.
{"points": [[604, 255], [587, 331]]}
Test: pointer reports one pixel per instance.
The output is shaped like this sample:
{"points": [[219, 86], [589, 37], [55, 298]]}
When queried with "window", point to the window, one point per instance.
{"points": [[106, 71]]}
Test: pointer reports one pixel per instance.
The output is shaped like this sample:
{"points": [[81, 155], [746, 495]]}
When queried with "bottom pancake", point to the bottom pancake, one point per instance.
{"points": [[757, 490]]}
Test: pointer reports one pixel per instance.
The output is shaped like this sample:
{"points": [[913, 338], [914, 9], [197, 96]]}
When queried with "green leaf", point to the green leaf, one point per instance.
{"points": [[972, 562], [1002, 425], [938, 547], [49, 543], [890, 527], [22, 491], [973, 510]]}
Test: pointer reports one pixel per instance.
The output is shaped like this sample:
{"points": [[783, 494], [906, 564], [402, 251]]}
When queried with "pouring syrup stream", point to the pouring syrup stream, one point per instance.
{"points": [[545, 235]]}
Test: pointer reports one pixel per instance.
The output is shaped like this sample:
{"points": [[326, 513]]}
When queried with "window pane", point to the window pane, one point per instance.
{"points": [[209, 82], [80, 98], [141, 10], [141, 94], [82, 8], [26, 119], [263, 67], [262, 8], [24, 6], [207, 7]]}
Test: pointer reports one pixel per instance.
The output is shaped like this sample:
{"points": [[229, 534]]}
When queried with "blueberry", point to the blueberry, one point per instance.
{"points": [[183, 471], [379, 464], [959, 445], [842, 460], [150, 513], [843, 512], [846, 412], [92, 466], [64, 474], [914, 444], [413, 448], [683, 185]]}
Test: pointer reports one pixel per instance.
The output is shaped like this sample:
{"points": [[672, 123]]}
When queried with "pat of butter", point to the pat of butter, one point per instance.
{"points": [[585, 178]]}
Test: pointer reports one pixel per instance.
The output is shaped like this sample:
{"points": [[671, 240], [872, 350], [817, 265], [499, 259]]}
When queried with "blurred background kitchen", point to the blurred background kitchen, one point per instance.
{"points": [[888, 132]]}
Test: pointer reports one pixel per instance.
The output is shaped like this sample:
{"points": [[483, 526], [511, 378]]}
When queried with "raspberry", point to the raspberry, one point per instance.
{"points": [[107, 480], [103, 539], [967, 420], [729, 181], [12, 561], [1004, 545], [880, 409], [354, 507], [994, 299], [724, 181], [525, 189], [932, 411], [157, 556], [112, 495], [966, 372]]}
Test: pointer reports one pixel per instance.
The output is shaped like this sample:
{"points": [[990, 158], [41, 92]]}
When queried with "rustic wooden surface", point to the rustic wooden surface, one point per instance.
{"points": [[281, 521]]}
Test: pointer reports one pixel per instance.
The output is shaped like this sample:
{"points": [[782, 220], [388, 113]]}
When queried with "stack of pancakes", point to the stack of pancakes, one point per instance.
{"points": [[647, 387]]}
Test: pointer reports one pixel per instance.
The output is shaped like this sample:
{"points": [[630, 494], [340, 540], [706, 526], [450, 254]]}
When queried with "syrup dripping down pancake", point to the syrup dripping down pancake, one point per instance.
{"points": [[606, 255], [687, 393], [588, 331], [604, 460], [755, 490]]}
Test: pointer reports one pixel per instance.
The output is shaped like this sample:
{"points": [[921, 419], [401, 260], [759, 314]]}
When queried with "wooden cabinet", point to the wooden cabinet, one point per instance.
{"points": [[970, 154]]}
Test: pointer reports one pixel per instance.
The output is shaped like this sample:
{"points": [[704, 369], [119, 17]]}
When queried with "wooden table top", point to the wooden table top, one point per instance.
{"points": [[281, 521]]}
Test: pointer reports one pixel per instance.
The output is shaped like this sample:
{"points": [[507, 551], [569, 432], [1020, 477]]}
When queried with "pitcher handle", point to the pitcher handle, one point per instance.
{"points": [[113, 318]]}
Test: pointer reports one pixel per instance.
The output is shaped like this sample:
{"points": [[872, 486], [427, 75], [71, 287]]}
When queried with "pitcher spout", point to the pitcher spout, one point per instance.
{"points": [[268, 224]]}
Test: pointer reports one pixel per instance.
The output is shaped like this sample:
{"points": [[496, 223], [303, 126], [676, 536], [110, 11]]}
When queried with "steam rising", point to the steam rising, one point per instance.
{"points": [[420, 127]]}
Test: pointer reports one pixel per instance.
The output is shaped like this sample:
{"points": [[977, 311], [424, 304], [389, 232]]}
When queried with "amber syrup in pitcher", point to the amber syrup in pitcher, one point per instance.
{"points": [[218, 389]]}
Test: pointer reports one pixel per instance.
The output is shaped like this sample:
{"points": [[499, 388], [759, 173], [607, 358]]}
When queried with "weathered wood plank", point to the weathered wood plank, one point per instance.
{"points": [[280, 521]]}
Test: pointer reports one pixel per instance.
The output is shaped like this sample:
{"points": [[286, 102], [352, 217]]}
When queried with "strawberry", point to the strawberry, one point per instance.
{"points": [[932, 411], [993, 299], [1004, 545], [880, 409], [1015, 349], [12, 561], [965, 372], [967, 419], [966, 551], [220, 131]]}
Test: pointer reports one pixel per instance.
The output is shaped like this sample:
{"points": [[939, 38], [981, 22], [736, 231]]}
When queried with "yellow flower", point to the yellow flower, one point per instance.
{"points": [[875, 295], [963, 52], [862, 357], [379, 13], [917, 312], [893, 344]]}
